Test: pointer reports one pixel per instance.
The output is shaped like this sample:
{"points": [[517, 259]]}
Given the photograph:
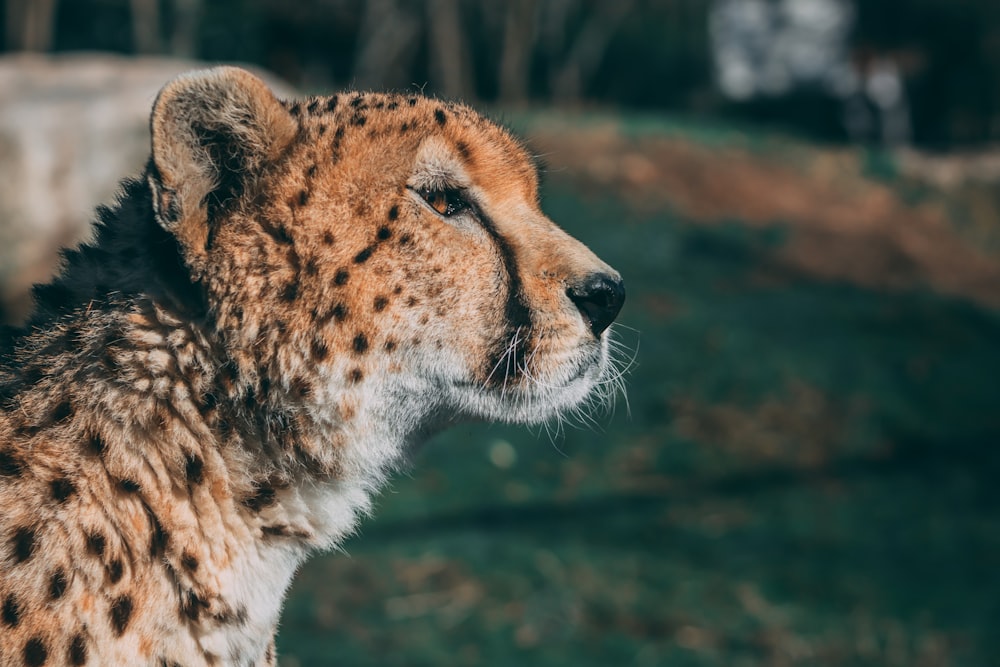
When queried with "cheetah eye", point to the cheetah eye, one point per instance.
{"points": [[446, 202]]}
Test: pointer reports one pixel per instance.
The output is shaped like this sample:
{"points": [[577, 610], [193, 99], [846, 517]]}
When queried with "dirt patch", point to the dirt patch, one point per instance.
{"points": [[842, 225]]}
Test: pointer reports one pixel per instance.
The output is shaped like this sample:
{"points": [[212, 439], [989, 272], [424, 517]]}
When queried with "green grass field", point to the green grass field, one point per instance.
{"points": [[807, 476]]}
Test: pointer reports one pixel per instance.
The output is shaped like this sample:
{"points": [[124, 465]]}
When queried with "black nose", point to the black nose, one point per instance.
{"points": [[599, 298]]}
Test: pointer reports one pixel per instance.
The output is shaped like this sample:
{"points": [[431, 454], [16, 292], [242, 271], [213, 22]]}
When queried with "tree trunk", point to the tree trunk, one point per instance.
{"points": [[388, 35], [184, 36], [450, 59], [588, 49], [146, 26], [520, 33], [30, 24]]}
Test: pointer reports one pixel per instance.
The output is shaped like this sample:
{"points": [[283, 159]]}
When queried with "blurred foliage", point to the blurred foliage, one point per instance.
{"points": [[636, 53]]}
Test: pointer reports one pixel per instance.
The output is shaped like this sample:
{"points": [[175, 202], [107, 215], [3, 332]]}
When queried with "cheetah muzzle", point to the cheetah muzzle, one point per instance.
{"points": [[292, 296]]}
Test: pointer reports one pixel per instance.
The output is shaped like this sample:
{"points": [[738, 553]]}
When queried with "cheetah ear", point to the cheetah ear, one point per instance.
{"points": [[212, 130]]}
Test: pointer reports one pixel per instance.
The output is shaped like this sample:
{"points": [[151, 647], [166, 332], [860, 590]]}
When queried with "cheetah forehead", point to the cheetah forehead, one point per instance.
{"points": [[449, 140]]}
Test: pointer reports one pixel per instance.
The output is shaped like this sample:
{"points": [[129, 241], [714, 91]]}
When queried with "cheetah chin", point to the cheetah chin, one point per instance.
{"points": [[293, 295]]}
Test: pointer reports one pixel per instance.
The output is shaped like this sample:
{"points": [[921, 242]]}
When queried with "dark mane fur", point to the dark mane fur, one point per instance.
{"points": [[130, 255]]}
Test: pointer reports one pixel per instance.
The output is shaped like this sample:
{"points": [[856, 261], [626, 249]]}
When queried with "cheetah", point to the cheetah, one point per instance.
{"points": [[293, 296]]}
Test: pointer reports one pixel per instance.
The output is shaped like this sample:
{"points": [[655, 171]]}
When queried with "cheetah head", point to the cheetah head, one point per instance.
{"points": [[378, 258]]}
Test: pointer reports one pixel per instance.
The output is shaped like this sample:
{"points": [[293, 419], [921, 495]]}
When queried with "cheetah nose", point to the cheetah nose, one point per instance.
{"points": [[598, 297]]}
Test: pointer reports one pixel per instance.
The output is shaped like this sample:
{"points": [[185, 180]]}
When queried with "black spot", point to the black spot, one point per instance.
{"points": [[339, 312], [331, 103], [115, 570], [26, 429], [295, 109], [398, 289], [359, 120], [284, 530], [394, 212], [363, 256], [290, 292], [57, 584], [23, 544], [158, 537], [313, 106], [35, 653], [412, 101], [96, 444], [463, 150], [405, 239], [355, 376], [62, 489], [208, 403], [360, 343], [390, 345], [191, 605], [10, 466], [121, 614], [194, 469], [304, 196], [327, 238], [129, 486], [340, 278], [238, 616], [357, 100], [189, 561], [312, 267], [263, 497], [32, 375], [277, 232], [392, 106], [301, 387], [319, 350], [384, 233], [440, 117], [380, 303], [404, 128], [62, 411], [311, 171], [96, 544], [78, 651], [11, 611]]}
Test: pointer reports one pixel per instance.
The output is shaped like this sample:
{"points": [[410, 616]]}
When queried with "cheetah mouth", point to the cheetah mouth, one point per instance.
{"points": [[588, 362], [531, 395]]}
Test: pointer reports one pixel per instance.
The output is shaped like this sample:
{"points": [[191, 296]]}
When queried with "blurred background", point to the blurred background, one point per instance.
{"points": [[804, 199]]}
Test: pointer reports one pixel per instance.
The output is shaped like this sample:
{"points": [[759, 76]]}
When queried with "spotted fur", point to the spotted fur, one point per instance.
{"points": [[265, 322]]}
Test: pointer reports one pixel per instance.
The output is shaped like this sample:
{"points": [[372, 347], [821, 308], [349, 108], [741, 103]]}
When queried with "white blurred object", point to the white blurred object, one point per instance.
{"points": [[767, 47], [71, 127], [770, 48]]}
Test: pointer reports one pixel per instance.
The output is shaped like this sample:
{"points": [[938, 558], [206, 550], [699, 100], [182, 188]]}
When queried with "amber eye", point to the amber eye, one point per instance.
{"points": [[445, 202]]}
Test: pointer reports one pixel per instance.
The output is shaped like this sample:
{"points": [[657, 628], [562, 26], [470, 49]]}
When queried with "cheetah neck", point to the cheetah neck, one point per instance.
{"points": [[313, 513], [230, 476]]}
